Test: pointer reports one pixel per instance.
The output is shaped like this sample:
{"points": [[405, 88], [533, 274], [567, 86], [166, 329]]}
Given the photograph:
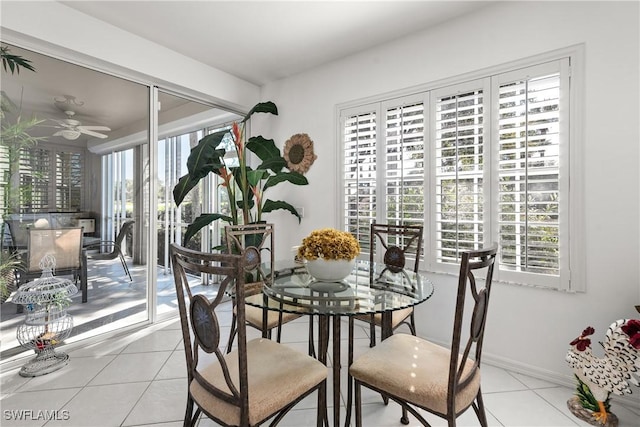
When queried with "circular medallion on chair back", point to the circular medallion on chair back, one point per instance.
{"points": [[394, 259], [252, 257], [204, 323]]}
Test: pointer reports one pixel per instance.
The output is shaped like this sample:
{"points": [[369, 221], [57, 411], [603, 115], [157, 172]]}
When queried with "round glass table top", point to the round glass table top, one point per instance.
{"points": [[370, 288]]}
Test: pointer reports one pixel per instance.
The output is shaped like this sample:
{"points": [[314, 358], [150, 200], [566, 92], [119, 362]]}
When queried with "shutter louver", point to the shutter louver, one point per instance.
{"points": [[459, 168], [528, 171], [405, 165], [359, 141], [69, 179], [35, 170]]}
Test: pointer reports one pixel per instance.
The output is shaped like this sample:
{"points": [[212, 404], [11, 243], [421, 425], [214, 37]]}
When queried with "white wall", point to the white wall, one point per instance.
{"points": [[528, 329]]}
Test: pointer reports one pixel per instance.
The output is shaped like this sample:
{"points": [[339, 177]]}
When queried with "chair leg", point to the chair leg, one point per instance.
{"points": [[124, 265], [232, 334], [480, 412], [312, 347], [358, 399], [404, 419], [189, 417], [372, 333], [412, 324], [322, 417]]}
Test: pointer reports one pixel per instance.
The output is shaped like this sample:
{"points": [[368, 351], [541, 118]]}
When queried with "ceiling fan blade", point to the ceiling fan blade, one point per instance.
{"points": [[103, 128], [86, 131]]}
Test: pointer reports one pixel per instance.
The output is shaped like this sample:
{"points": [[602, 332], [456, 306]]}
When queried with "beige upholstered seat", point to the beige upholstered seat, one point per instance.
{"points": [[261, 380], [277, 376], [419, 374], [254, 317], [416, 371]]}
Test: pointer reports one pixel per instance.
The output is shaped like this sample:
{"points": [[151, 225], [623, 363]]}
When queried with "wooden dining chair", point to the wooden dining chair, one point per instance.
{"points": [[256, 243], [259, 380], [397, 244], [419, 374]]}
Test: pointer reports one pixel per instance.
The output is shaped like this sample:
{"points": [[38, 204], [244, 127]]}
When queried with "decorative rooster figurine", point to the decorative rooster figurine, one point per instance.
{"points": [[615, 371]]}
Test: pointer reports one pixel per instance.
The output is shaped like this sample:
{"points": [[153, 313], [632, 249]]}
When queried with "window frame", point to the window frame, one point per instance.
{"points": [[571, 259]]}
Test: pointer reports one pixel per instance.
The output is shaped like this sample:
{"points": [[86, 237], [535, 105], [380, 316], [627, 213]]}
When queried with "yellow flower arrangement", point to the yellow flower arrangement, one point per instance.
{"points": [[329, 243]]}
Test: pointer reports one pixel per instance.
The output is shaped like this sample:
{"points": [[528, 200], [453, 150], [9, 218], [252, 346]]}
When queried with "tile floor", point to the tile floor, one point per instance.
{"points": [[140, 380]]}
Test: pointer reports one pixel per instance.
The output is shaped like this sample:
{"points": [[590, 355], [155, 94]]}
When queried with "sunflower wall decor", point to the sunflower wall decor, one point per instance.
{"points": [[298, 152]]}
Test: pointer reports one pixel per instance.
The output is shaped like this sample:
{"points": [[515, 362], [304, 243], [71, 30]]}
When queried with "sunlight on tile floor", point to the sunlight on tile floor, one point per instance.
{"points": [[140, 380]]}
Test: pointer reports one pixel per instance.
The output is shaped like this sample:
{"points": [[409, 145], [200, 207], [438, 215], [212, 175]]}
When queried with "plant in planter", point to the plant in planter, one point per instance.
{"points": [[329, 254], [14, 135], [244, 185], [9, 263]]}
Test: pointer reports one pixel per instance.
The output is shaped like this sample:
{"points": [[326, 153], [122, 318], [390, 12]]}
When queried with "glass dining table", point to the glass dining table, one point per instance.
{"points": [[370, 288]]}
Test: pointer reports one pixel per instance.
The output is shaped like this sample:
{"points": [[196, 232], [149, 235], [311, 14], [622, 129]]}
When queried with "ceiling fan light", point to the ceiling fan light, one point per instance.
{"points": [[70, 134]]}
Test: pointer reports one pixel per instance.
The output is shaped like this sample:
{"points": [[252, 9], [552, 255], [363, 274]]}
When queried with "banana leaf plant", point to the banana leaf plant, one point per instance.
{"points": [[245, 186]]}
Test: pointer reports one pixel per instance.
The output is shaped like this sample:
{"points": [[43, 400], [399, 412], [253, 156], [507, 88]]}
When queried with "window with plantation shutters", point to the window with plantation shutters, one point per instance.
{"points": [[49, 180], [476, 161], [35, 176], [530, 110], [459, 171], [359, 139]]}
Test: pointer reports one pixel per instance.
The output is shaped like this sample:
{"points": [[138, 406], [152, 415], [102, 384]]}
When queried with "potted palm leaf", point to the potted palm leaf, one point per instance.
{"points": [[245, 186]]}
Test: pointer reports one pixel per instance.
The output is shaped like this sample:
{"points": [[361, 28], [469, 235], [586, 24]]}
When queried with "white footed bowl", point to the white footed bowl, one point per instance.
{"points": [[329, 270]]}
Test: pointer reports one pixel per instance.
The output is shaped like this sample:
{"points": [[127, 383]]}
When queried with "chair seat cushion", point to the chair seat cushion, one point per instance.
{"points": [[277, 376], [253, 316], [397, 317], [416, 371]]}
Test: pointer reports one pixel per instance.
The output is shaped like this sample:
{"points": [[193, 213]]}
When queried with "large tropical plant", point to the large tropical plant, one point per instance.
{"points": [[13, 136], [245, 186]]}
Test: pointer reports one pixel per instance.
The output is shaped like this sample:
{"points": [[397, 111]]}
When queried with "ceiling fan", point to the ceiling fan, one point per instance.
{"points": [[71, 128]]}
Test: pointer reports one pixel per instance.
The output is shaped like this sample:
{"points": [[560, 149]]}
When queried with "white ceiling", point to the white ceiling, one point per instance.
{"points": [[259, 41], [262, 41]]}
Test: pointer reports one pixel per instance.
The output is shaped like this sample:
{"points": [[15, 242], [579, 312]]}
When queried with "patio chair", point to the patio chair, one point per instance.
{"points": [[419, 374], [65, 244], [398, 242], [260, 380], [252, 240], [113, 247]]}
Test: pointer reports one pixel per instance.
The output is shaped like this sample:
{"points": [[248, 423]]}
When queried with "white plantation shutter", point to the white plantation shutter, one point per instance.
{"points": [[359, 198], [530, 110], [459, 170], [69, 180], [35, 176], [404, 164], [491, 164]]}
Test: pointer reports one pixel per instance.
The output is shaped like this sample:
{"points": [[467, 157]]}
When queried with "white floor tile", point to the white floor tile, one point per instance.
{"points": [[525, 408], [78, 373], [530, 382], [132, 368], [175, 366], [11, 381], [162, 340], [498, 380], [163, 401], [103, 405], [558, 396], [31, 408]]}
